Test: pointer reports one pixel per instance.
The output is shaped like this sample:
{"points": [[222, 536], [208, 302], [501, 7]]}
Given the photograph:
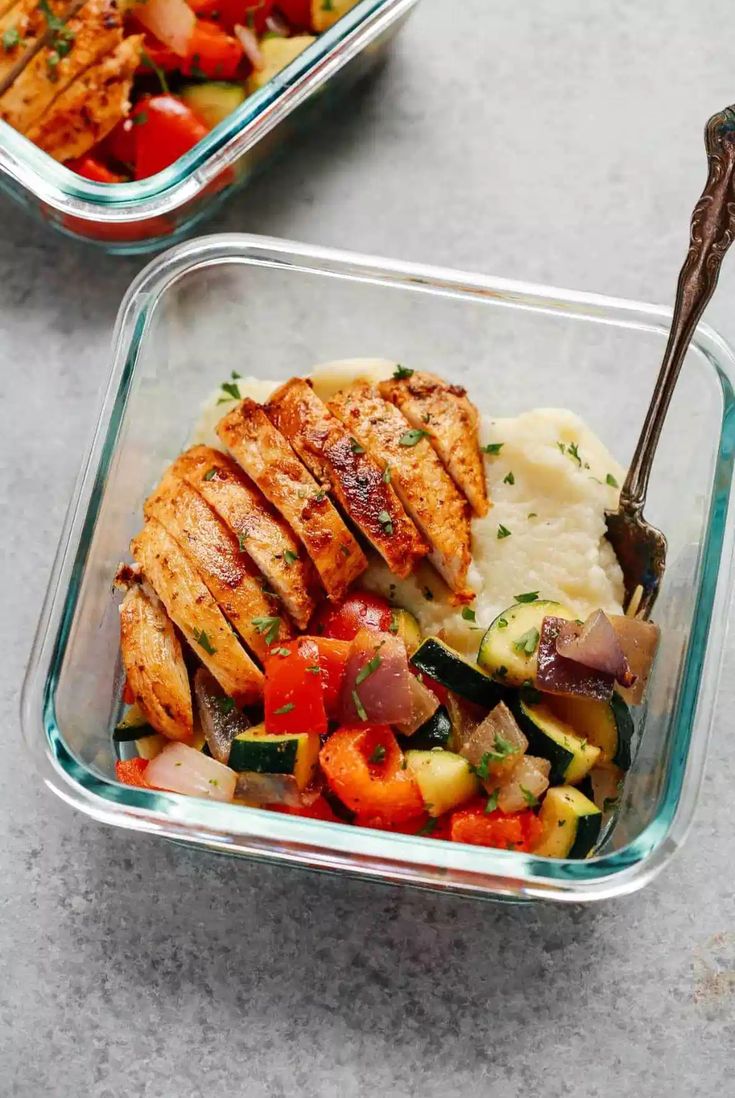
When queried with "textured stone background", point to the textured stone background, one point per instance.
{"points": [[558, 142]]}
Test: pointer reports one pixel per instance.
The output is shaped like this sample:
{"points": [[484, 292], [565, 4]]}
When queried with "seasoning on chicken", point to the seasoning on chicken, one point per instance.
{"points": [[346, 468], [190, 606], [420, 480], [443, 413], [260, 532], [215, 553], [154, 664], [267, 457]]}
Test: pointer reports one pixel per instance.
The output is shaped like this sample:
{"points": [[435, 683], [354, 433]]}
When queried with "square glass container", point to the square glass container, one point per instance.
{"points": [[150, 214], [273, 308]]}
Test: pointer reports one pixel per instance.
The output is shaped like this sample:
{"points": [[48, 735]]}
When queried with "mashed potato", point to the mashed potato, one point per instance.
{"points": [[550, 484]]}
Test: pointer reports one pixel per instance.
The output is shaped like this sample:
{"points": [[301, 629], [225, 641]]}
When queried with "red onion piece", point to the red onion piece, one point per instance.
{"points": [[170, 21], [259, 789], [556, 674], [424, 704], [182, 769], [639, 641], [250, 45], [220, 718], [276, 24], [595, 644], [496, 745], [525, 784], [376, 688]]}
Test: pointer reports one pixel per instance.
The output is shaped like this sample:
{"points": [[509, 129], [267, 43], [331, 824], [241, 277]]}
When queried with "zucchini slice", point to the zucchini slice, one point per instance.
{"points": [[571, 824], [508, 648], [295, 754], [441, 662], [571, 758], [133, 726], [445, 779], [406, 626], [213, 100], [436, 732], [607, 725]]}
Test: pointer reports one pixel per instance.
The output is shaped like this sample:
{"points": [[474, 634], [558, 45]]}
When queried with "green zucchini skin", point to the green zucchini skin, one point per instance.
{"points": [[437, 660], [264, 757], [436, 732], [131, 732], [588, 832], [624, 724], [565, 764]]}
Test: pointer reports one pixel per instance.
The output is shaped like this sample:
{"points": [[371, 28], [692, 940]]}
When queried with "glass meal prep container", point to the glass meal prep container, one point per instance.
{"points": [[273, 309], [149, 214]]}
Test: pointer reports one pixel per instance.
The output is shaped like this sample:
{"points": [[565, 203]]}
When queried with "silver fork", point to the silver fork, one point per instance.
{"points": [[640, 547]]}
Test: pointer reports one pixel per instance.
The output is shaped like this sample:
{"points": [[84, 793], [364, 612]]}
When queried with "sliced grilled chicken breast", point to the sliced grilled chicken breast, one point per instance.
{"points": [[21, 24], [349, 471], [154, 664], [94, 32], [420, 480], [189, 604], [91, 106], [450, 422], [260, 532], [215, 553], [269, 460]]}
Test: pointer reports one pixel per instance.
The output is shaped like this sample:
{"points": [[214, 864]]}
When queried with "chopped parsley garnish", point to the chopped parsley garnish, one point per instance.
{"points": [[532, 514], [146, 59], [287, 708], [359, 707], [327, 5], [492, 447], [410, 438], [232, 389], [530, 798], [241, 539], [528, 643], [610, 479], [492, 801], [378, 754], [321, 494], [503, 532], [224, 704], [394, 621], [386, 475], [204, 642], [234, 374], [573, 451], [356, 447], [11, 39], [468, 614], [502, 748], [429, 827], [270, 627], [385, 521], [210, 474], [282, 652], [402, 372], [140, 118], [60, 38], [509, 479], [290, 557], [314, 669], [369, 669], [502, 623], [213, 781], [528, 596]]}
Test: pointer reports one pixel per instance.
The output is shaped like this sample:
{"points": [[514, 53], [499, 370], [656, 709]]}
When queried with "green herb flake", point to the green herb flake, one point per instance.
{"points": [[573, 451], [356, 447], [410, 438], [394, 622], [359, 707], [387, 475], [532, 514], [509, 479], [327, 5], [314, 669], [527, 596], [269, 627], [386, 522], [214, 781], [530, 798], [503, 532], [232, 389], [233, 374], [287, 708], [241, 539], [429, 827], [225, 704], [402, 372], [369, 669], [492, 448], [492, 801], [289, 557], [147, 60], [321, 494], [502, 623], [610, 479], [527, 643], [210, 474], [281, 652], [468, 614], [140, 118], [377, 755], [203, 641], [11, 39]]}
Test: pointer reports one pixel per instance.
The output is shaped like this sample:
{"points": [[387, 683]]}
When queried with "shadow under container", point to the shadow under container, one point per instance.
{"points": [[273, 309], [149, 214]]}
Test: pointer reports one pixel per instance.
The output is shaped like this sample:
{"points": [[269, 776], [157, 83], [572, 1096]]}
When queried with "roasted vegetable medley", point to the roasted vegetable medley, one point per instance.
{"points": [[259, 671], [119, 91]]}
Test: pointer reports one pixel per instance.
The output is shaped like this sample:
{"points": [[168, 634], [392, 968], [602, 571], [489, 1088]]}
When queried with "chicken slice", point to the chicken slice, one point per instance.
{"points": [[94, 32], [90, 107], [450, 422], [420, 480], [267, 457], [345, 467], [189, 604], [21, 23], [260, 532], [154, 664], [215, 553]]}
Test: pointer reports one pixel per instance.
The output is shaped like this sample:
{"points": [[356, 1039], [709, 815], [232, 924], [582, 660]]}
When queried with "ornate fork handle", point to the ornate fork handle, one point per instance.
{"points": [[712, 232]]}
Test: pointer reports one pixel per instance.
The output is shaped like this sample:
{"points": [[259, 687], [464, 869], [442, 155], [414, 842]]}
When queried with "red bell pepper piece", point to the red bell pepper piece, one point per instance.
{"points": [[294, 697], [212, 52], [360, 610], [248, 13], [91, 168], [132, 772], [165, 128], [516, 831], [319, 810], [298, 13], [365, 768]]}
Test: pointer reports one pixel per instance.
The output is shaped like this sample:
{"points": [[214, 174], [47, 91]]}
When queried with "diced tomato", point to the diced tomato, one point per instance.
{"points": [[298, 13], [319, 810], [365, 768], [294, 696], [360, 610], [91, 168], [516, 831], [248, 13], [424, 826], [132, 772], [165, 128], [212, 52]]}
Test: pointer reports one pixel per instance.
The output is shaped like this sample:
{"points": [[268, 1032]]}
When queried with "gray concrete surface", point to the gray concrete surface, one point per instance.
{"points": [[558, 142]]}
